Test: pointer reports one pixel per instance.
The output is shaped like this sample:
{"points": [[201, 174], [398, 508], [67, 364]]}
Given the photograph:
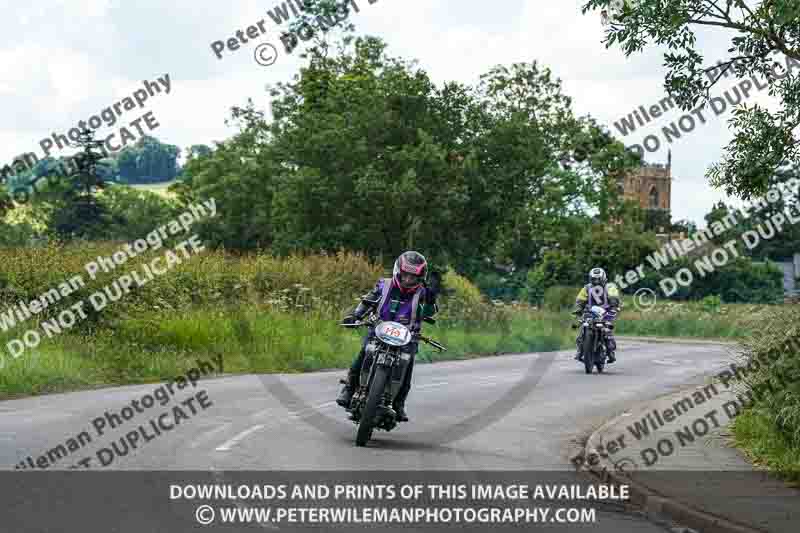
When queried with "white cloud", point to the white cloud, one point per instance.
{"points": [[67, 60]]}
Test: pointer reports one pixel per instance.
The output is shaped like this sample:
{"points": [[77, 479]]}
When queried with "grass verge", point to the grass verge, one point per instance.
{"points": [[757, 436], [264, 340]]}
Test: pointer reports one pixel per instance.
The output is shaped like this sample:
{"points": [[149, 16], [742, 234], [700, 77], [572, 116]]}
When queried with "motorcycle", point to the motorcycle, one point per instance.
{"points": [[593, 347], [382, 375]]}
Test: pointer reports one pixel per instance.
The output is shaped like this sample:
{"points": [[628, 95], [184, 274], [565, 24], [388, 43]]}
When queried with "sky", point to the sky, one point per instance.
{"points": [[66, 60]]}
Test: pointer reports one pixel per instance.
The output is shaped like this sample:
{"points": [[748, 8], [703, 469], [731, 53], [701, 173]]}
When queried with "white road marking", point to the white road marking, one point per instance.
{"points": [[310, 410], [205, 436], [431, 385], [239, 438]]}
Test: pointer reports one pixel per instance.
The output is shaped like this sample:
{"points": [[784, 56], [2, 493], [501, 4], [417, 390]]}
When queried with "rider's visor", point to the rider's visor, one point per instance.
{"points": [[408, 280]]}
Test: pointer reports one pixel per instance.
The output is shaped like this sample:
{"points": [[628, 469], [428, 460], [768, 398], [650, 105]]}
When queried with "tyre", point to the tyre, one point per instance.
{"points": [[376, 390], [600, 363], [587, 350]]}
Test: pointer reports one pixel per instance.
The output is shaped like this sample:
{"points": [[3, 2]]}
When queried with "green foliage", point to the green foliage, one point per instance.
{"points": [[495, 286], [657, 220], [771, 428], [556, 268], [764, 43], [689, 319], [711, 303], [148, 161], [784, 241], [134, 213], [366, 153], [559, 298], [19, 234], [75, 213], [619, 249], [765, 445], [260, 312]]}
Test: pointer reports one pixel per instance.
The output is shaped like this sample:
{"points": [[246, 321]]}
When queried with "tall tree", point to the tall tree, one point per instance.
{"points": [[77, 214], [765, 43]]}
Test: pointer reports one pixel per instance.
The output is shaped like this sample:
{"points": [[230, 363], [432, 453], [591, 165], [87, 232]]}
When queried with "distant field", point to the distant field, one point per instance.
{"points": [[158, 188]]}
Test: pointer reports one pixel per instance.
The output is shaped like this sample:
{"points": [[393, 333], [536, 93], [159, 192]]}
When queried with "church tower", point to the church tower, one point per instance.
{"points": [[650, 185]]}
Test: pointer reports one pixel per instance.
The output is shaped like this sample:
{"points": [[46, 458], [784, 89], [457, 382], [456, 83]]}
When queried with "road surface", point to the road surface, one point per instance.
{"points": [[238, 424]]}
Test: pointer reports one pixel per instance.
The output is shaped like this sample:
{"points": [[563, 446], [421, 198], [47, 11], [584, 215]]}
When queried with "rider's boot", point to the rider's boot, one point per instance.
{"points": [[400, 409], [399, 405], [348, 390], [611, 357]]}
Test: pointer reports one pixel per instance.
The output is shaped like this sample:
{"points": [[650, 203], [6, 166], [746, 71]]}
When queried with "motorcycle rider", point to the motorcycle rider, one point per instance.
{"points": [[601, 293], [396, 299]]}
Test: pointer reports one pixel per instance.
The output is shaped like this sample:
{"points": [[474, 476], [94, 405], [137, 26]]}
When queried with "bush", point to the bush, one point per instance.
{"points": [[559, 298], [556, 268], [18, 234], [135, 213], [328, 283], [460, 298], [711, 304], [776, 387]]}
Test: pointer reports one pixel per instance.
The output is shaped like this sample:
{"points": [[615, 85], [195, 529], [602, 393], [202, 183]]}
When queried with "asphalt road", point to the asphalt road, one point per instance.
{"points": [[245, 427]]}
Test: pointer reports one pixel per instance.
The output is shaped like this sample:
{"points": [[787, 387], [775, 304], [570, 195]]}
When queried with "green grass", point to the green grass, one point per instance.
{"points": [[249, 341], [682, 326], [692, 320], [757, 436]]}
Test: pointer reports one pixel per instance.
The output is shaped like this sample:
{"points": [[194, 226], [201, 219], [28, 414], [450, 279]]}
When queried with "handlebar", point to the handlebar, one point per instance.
{"points": [[417, 336], [432, 342]]}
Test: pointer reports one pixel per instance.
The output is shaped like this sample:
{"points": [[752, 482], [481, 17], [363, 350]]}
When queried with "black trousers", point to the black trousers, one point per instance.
{"points": [[405, 388]]}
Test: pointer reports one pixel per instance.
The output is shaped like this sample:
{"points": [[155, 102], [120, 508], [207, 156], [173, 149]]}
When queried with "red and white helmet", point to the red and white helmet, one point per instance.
{"points": [[410, 271]]}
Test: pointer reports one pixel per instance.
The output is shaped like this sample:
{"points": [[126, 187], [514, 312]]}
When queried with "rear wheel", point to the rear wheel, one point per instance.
{"points": [[587, 350], [376, 390]]}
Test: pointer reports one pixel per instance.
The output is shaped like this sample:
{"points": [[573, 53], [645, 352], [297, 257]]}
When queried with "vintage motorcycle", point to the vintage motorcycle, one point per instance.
{"points": [[593, 347], [382, 373]]}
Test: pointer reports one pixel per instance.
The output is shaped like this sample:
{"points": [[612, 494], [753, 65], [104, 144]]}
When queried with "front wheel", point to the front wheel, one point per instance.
{"points": [[587, 350], [376, 390], [600, 361]]}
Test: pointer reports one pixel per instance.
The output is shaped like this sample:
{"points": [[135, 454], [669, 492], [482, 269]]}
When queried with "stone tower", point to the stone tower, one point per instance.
{"points": [[650, 185]]}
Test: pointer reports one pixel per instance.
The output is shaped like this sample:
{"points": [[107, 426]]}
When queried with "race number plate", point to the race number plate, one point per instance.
{"points": [[393, 333]]}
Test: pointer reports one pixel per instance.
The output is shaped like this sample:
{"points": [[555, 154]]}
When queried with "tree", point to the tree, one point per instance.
{"points": [[685, 225], [657, 220], [198, 150], [134, 213], [239, 174], [76, 212], [765, 43], [148, 161]]}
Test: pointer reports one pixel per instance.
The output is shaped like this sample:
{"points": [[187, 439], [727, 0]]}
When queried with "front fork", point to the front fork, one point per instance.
{"points": [[397, 373]]}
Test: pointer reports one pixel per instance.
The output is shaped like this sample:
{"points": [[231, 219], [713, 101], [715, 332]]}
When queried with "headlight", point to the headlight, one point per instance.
{"points": [[370, 349]]}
